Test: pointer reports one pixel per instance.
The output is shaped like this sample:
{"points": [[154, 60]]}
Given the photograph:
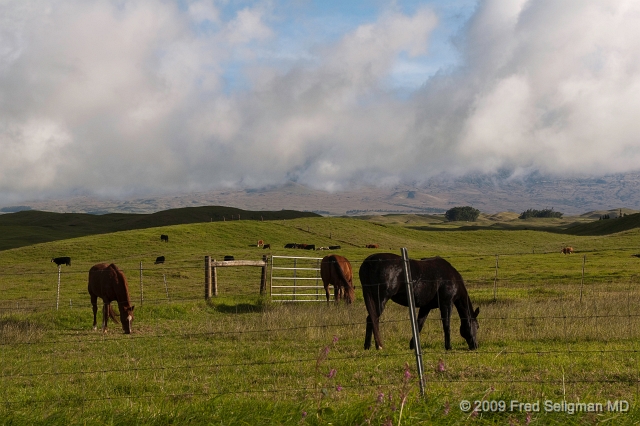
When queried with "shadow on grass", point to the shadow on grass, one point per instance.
{"points": [[240, 308]]}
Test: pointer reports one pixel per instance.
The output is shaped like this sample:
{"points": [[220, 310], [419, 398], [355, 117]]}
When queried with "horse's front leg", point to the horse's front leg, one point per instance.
{"points": [[105, 316], [422, 317], [445, 314]]}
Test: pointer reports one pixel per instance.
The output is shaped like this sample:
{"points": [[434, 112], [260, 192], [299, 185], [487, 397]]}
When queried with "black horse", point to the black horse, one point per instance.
{"points": [[436, 284]]}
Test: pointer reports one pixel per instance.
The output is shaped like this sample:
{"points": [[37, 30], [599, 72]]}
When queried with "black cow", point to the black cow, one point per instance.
{"points": [[159, 259], [164, 238], [290, 245], [228, 258], [62, 261], [310, 247], [266, 246], [334, 247]]}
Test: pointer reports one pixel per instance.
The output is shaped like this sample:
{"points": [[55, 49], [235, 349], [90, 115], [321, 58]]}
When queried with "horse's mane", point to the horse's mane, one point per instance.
{"points": [[122, 291]]}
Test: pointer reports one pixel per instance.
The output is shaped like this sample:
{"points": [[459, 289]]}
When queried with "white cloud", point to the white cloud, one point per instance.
{"points": [[115, 97]]}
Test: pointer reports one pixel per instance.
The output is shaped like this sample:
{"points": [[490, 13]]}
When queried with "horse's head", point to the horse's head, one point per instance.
{"points": [[126, 318], [469, 329]]}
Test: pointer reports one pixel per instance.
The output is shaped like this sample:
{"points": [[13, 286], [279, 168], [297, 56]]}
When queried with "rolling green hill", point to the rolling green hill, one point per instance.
{"points": [[31, 227], [605, 227]]}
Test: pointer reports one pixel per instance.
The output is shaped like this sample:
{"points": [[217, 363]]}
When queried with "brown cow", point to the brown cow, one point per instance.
{"points": [[567, 250], [260, 243], [372, 246], [336, 270]]}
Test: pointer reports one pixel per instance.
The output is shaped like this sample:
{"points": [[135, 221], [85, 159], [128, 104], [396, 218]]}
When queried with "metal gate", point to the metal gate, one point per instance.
{"points": [[296, 279]]}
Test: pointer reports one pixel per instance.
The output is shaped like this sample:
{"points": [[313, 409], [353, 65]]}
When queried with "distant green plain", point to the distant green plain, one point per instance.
{"points": [[548, 331]]}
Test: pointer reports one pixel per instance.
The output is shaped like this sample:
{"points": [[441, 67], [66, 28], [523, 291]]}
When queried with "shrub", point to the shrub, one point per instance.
{"points": [[540, 213], [466, 213]]}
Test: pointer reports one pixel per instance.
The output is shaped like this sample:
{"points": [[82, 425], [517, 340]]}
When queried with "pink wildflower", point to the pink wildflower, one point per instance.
{"points": [[332, 373], [338, 388], [441, 367]]}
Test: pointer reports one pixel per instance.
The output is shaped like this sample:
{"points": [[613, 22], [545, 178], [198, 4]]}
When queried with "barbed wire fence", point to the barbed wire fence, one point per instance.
{"points": [[593, 315]]}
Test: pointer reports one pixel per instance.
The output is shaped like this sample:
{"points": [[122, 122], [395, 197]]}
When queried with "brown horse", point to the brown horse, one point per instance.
{"points": [[567, 250], [109, 283], [336, 270], [436, 284]]}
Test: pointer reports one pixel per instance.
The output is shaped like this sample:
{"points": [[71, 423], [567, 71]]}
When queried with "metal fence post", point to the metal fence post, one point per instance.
{"points": [[412, 315], [141, 287], [58, 297]]}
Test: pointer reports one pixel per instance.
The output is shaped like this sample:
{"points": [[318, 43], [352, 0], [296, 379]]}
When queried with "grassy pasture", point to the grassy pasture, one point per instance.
{"points": [[241, 359]]}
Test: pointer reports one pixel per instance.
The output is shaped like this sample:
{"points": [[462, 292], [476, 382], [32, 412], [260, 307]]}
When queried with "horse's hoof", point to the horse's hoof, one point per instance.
{"points": [[95, 328]]}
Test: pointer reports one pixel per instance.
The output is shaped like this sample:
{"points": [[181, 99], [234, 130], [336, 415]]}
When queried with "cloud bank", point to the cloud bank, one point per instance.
{"points": [[116, 97]]}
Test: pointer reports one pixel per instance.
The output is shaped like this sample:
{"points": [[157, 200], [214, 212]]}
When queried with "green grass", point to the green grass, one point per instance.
{"points": [[242, 359]]}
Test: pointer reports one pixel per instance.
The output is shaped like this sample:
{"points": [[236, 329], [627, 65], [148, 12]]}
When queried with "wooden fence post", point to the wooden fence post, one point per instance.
{"points": [[263, 278], [207, 277], [214, 273]]}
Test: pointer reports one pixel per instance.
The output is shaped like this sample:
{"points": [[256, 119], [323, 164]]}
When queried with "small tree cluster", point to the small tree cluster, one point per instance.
{"points": [[466, 213], [540, 213]]}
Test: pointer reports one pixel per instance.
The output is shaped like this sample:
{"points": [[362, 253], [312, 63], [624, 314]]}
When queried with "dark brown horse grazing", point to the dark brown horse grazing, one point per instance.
{"points": [[436, 284], [109, 283], [336, 270]]}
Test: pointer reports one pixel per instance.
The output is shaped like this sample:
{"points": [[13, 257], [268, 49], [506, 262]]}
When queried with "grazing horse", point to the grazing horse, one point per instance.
{"points": [[109, 283], [436, 284], [337, 270], [567, 250]]}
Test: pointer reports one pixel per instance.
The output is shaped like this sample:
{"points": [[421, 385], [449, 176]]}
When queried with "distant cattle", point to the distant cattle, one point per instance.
{"points": [[164, 238], [334, 247], [159, 260], [301, 246], [62, 261], [228, 258], [290, 245], [322, 248], [309, 246], [567, 250], [372, 245], [260, 243], [266, 246]]}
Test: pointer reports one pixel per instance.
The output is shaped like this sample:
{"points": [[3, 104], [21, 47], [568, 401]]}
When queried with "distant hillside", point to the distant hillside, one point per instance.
{"points": [[607, 226], [31, 227]]}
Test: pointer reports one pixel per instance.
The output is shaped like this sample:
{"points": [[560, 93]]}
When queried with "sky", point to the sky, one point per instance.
{"points": [[115, 98]]}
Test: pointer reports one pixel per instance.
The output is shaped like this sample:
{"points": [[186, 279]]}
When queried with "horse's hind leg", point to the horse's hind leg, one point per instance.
{"points": [[369, 333], [94, 305], [422, 317], [105, 316]]}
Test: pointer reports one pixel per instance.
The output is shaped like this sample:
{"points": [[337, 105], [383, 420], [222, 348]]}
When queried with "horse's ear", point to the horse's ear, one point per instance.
{"points": [[476, 312]]}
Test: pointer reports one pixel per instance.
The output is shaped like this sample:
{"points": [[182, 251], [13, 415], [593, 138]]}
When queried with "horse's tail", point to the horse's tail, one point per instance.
{"points": [[112, 314], [347, 283]]}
